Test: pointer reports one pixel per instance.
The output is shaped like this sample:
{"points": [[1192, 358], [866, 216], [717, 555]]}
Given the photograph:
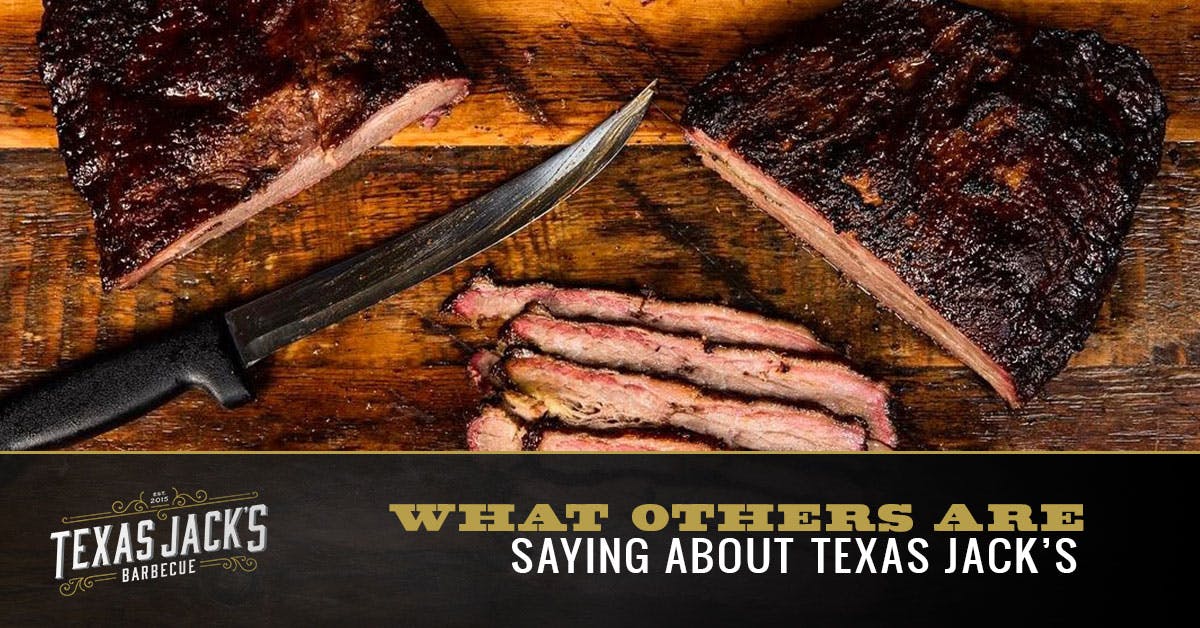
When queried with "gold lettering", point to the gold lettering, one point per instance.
{"points": [[895, 518], [849, 518], [429, 517], [650, 517], [542, 518], [799, 518], [958, 518], [693, 516], [486, 517], [587, 516], [1063, 517], [745, 517], [1011, 518]]}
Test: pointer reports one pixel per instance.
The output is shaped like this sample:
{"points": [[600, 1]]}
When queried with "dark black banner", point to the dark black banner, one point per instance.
{"points": [[635, 540]]}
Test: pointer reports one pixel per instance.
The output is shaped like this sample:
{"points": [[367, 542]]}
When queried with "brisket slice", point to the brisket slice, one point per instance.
{"points": [[484, 300], [975, 176], [575, 440], [180, 120], [601, 399], [481, 368], [751, 372], [497, 430]]}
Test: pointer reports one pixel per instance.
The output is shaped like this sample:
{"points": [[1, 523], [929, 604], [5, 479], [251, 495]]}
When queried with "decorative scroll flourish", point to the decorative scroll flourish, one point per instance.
{"points": [[232, 563], [181, 500], [83, 583]]}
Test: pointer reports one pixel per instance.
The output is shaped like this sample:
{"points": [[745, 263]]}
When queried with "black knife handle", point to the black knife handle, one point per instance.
{"points": [[102, 392]]}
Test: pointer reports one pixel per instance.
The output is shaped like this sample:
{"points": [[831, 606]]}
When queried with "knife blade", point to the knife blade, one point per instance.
{"points": [[214, 352]]}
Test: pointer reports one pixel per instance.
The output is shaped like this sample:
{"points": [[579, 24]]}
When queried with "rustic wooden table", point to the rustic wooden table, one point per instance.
{"points": [[390, 378]]}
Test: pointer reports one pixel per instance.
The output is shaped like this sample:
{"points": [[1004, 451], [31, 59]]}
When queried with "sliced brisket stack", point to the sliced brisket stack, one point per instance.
{"points": [[179, 120], [597, 370], [496, 429], [975, 176], [605, 399], [738, 370], [484, 300]]}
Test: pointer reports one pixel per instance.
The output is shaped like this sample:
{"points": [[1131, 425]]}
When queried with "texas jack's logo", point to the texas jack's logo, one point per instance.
{"points": [[162, 534]]}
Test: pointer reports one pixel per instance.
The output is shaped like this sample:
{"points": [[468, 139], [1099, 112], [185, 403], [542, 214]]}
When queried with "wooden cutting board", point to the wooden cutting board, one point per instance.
{"points": [[392, 378]]}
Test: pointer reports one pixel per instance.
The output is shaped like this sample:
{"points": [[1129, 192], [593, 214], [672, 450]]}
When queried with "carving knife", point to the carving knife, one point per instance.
{"points": [[214, 352]]}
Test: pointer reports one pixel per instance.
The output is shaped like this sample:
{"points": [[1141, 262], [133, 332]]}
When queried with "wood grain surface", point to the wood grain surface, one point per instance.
{"points": [[392, 377]]}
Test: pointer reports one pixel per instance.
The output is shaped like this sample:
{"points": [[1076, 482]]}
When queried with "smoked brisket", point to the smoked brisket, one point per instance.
{"points": [[180, 120], [483, 299], [976, 176], [752, 372], [604, 399], [496, 430]]}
